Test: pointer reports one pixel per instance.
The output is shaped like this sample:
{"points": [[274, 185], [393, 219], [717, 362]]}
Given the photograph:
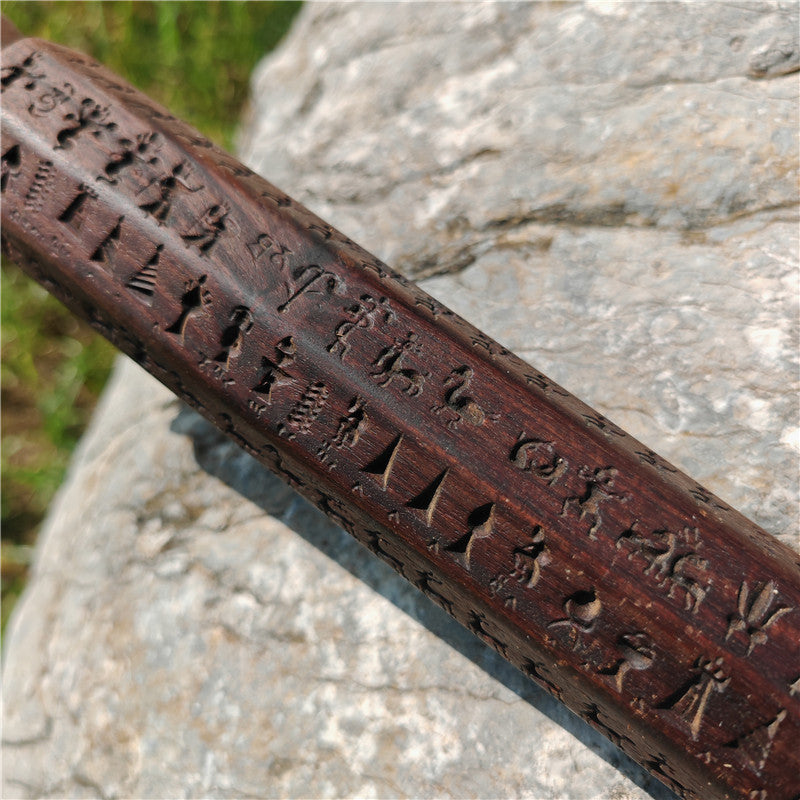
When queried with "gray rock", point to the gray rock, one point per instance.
{"points": [[607, 190]]}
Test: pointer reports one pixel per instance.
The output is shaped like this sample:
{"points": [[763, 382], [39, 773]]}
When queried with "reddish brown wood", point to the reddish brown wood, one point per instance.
{"points": [[659, 614]]}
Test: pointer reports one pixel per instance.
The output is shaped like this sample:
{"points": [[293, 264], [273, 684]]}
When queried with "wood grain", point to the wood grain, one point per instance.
{"points": [[652, 609]]}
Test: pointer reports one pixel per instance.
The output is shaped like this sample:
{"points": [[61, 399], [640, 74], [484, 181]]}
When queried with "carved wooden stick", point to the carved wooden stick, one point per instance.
{"points": [[660, 615]]}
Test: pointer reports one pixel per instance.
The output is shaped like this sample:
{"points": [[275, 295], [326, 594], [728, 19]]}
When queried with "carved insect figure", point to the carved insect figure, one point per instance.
{"points": [[754, 614]]}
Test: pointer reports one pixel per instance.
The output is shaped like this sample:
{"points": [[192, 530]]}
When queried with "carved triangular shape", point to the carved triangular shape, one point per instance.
{"points": [[381, 465], [427, 499], [144, 281], [481, 522]]}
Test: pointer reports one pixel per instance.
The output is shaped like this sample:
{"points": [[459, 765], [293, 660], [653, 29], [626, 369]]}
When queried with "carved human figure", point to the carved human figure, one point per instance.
{"points": [[599, 490], [139, 153], [88, 117], [157, 196], [691, 700], [364, 314], [351, 427]]}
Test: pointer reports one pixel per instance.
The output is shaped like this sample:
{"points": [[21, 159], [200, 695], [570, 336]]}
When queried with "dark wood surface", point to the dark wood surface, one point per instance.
{"points": [[652, 609]]}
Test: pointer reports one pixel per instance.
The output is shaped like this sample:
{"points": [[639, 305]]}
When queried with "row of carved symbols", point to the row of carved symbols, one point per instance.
{"points": [[84, 205], [480, 521], [157, 183]]}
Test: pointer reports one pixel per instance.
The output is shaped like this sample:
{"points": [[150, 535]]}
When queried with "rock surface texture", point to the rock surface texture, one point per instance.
{"points": [[608, 189]]}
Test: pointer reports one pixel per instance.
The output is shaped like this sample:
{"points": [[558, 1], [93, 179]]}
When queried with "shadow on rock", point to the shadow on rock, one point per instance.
{"points": [[219, 457]]}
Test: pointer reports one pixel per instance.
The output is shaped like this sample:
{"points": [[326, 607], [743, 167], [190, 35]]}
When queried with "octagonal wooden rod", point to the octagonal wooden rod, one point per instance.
{"points": [[656, 612]]}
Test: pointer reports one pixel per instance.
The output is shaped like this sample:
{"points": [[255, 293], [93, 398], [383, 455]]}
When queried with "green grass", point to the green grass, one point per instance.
{"points": [[195, 58]]}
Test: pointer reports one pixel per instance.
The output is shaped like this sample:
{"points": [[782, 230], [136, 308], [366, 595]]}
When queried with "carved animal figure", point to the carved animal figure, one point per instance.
{"points": [[390, 362], [457, 403]]}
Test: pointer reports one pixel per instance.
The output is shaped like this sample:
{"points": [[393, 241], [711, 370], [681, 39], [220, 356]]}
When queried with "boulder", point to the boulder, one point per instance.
{"points": [[610, 190]]}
